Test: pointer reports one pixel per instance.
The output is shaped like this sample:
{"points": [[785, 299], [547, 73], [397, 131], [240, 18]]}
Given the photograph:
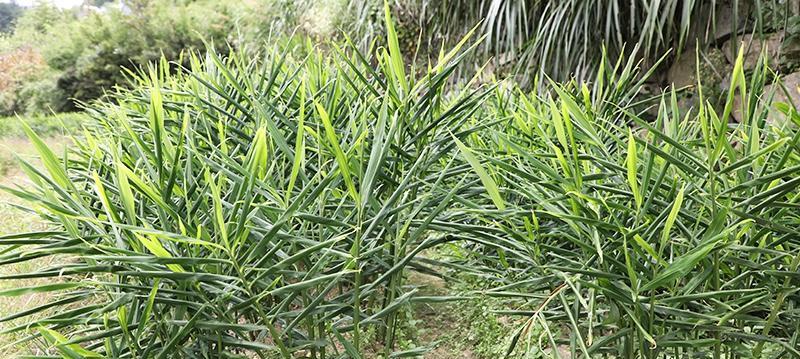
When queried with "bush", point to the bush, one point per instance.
{"points": [[92, 54], [671, 238], [87, 54], [41, 95], [243, 207], [9, 12], [36, 26], [26, 84]]}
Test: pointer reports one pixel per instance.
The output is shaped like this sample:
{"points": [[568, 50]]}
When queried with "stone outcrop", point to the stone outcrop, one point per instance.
{"points": [[717, 25], [753, 46], [791, 96], [683, 71]]}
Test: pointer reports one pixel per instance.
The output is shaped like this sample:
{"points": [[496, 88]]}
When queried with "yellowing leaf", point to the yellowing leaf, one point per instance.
{"points": [[673, 214], [154, 246], [631, 163]]}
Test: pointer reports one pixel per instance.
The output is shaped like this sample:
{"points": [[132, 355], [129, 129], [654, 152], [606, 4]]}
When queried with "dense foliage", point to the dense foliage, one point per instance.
{"points": [[87, 53], [9, 12], [93, 52], [259, 205], [668, 238], [566, 39], [271, 205], [87, 49]]}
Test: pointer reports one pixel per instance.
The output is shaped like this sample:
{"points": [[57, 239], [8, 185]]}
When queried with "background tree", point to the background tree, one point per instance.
{"points": [[9, 12]]}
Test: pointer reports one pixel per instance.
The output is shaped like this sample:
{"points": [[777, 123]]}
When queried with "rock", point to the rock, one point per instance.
{"points": [[725, 24], [687, 104], [753, 46], [683, 71], [794, 7], [718, 25], [790, 52], [792, 84]]}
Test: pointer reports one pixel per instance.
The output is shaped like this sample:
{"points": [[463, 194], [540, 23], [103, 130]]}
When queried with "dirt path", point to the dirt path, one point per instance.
{"points": [[438, 323], [466, 329]]}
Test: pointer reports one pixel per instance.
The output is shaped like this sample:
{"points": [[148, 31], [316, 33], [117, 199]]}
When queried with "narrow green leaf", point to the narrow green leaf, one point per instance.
{"points": [[488, 183]]}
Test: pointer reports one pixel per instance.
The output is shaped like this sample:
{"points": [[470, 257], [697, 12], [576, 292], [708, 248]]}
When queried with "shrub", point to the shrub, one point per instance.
{"points": [[243, 207], [86, 54], [23, 73], [9, 12], [36, 25], [41, 96], [671, 238], [93, 52]]}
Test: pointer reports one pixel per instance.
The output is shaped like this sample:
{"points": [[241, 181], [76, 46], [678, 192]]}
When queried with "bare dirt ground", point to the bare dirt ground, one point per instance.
{"points": [[439, 323]]}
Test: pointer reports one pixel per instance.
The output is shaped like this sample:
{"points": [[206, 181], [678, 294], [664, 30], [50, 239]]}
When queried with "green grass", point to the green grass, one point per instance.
{"points": [[53, 125]]}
